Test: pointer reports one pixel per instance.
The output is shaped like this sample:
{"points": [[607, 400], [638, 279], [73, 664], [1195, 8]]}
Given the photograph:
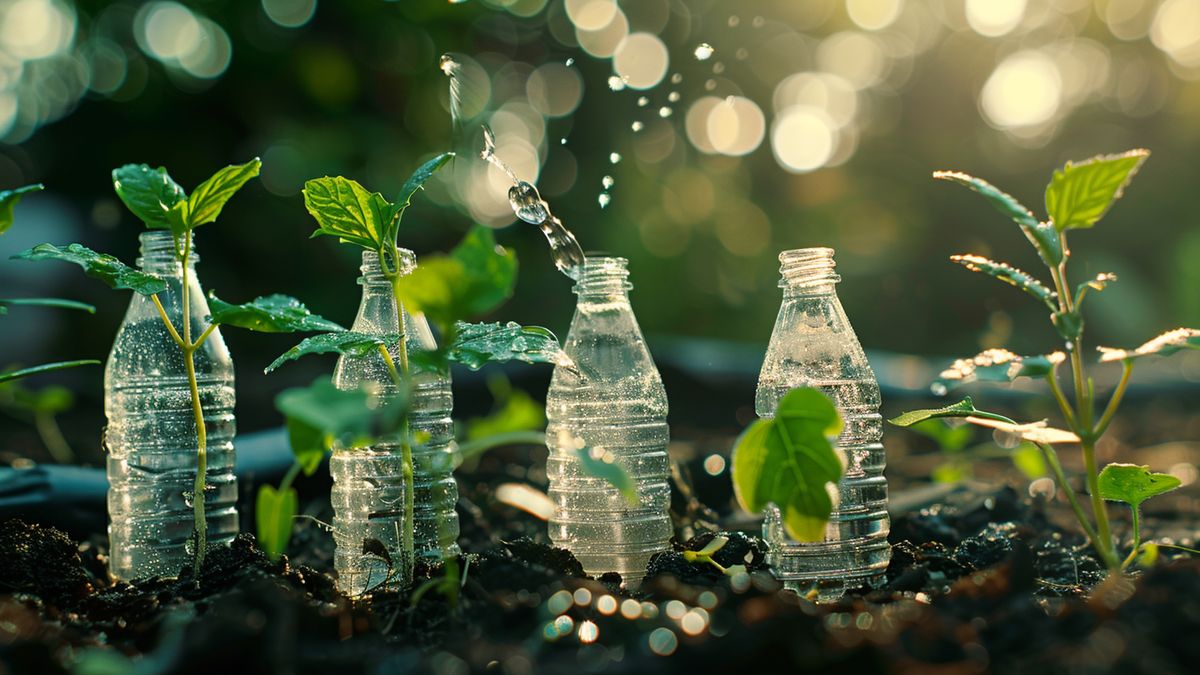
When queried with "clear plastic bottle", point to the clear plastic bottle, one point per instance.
{"points": [[814, 345], [612, 403], [151, 434], [368, 483]]}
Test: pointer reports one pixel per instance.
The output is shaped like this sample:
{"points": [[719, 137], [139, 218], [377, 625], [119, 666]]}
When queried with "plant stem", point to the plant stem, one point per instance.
{"points": [[162, 314], [1115, 401], [1063, 405], [292, 472], [1137, 535], [200, 520], [1052, 459], [51, 434], [405, 377]]}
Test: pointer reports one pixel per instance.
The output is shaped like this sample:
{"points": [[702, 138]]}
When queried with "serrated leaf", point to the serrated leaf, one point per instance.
{"points": [[340, 342], [274, 512], [149, 194], [352, 417], [997, 365], [1164, 345], [608, 470], [474, 279], [46, 368], [1080, 194], [1043, 236], [410, 187], [9, 199], [309, 444], [209, 197], [1009, 275], [268, 314], [1034, 432], [46, 302], [1068, 324], [345, 209], [100, 266], [477, 344], [964, 408], [1133, 484], [790, 461]]}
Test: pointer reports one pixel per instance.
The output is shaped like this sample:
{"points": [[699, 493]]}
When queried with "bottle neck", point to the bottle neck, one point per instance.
{"points": [[807, 271], [373, 277], [603, 279], [160, 256]]}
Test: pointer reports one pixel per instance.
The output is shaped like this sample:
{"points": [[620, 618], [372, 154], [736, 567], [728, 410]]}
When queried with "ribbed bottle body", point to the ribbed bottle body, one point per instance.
{"points": [[151, 437], [814, 345], [368, 483], [612, 405]]}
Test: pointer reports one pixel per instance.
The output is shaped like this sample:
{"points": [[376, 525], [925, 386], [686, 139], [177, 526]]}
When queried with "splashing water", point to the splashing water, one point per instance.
{"points": [[529, 206], [451, 69], [616, 83], [604, 199], [664, 111], [673, 97], [704, 51], [614, 158], [636, 126], [570, 62], [607, 182], [642, 101]]}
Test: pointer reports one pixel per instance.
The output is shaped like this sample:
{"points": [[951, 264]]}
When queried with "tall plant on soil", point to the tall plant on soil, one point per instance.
{"points": [[161, 204], [1077, 197]]}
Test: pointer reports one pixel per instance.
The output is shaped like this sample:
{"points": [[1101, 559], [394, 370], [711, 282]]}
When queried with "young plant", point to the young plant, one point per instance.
{"points": [[161, 204], [959, 455], [1077, 197], [8, 202]]}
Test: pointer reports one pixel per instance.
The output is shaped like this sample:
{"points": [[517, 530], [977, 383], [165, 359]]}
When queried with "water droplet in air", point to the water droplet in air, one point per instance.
{"points": [[570, 61], [673, 96], [734, 21], [664, 111], [615, 83], [704, 51], [677, 78], [742, 54], [636, 126], [614, 157], [604, 199], [562, 141], [448, 65], [607, 182], [642, 101], [527, 203], [718, 68], [938, 389], [710, 85], [759, 22]]}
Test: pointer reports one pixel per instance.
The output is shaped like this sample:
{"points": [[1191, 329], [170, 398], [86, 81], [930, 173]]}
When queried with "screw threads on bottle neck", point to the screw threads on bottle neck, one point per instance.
{"points": [[159, 255], [807, 268], [372, 270], [603, 276]]}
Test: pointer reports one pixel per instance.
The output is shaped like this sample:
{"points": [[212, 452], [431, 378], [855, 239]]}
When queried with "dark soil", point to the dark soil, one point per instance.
{"points": [[982, 582]]}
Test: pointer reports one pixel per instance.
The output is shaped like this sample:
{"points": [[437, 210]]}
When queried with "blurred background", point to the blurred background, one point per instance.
{"points": [[697, 138]]}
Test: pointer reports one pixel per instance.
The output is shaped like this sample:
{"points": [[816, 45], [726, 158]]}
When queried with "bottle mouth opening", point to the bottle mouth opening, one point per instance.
{"points": [[158, 246], [603, 274], [807, 267], [372, 270]]}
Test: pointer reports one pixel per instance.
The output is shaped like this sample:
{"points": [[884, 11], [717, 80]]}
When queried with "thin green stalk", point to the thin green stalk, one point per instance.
{"points": [[406, 458], [162, 314], [1060, 476], [1137, 537], [1063, 405], [1115, 401], [51, 434], [292, 472], [200, 520]]}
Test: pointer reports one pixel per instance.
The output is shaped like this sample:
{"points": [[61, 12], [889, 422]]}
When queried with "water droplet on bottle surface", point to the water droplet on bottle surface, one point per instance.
{"points": [[614, 157], [527, 203], [636, 126], [604, 199], [664, 111], [607, 182], [642, 101], [704, 51]]}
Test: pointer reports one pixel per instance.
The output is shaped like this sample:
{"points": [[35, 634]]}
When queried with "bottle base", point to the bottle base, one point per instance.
{"points": [[828, 589]]}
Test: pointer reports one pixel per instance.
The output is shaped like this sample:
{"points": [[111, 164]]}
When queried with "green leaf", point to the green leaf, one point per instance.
{"points": [[9, 199], [1009, 275], [353, 417], [606, 469], [46, 368], [269, 314], [47, 400], [149, 194], [790, 461], [410, 187], [209, 197], [346, 210], [474, 279], [951, 472], [517, 412], [273, 515], [1080, 194], [100, 266], [309, 444], [46, 302], [1029, 461], [1101, 282], [997, 365], [964, 408], [950, 439], [1068, 324], [1133, 484], [1043, 236], [341, 342], [477, 344], [1164, 345]]}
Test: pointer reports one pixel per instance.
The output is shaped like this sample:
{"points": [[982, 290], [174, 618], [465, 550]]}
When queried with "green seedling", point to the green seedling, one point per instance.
{"points": [[960, 454], [790, 461], [1077, 197], [162, 204], [705, 556]]}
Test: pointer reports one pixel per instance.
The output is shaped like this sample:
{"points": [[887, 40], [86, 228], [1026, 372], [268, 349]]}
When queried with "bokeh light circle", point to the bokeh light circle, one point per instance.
{"points": [[736, 126], [641, 60], [803, 139], [554, 89], [1025, 90]]}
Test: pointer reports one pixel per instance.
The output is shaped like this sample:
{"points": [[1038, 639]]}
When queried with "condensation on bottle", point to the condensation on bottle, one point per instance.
{"points": [[611, 404], [368, 483], [814, 345], [151, 436]]}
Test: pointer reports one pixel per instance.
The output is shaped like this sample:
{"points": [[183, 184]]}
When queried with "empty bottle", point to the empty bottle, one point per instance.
{"points": [[368, 483], [151, 434], [813, 345], [612, 405]]}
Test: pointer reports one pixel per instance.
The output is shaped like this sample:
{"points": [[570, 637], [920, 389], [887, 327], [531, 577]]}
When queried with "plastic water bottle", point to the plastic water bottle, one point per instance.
{"points": [[368, 483], [611, 405], [814, 345], [151, 435]]}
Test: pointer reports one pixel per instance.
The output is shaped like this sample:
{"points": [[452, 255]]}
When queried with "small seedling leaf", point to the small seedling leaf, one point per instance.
{"points": [[477, 344], [309, 444], [475, 278], [352, 417], [517, 411], [150, 194], [9, 199], [274, 512], [340, 342], [410, 187], [100, 266], [1133, 484], [964, 408], [1009, 275], [345, 209], [45, 368], [790, 461], [1080, 194], [1164, 345], [998, 365], [269, 314], [46, 302], [610, 471], [209, 197], [1043, 236]]}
